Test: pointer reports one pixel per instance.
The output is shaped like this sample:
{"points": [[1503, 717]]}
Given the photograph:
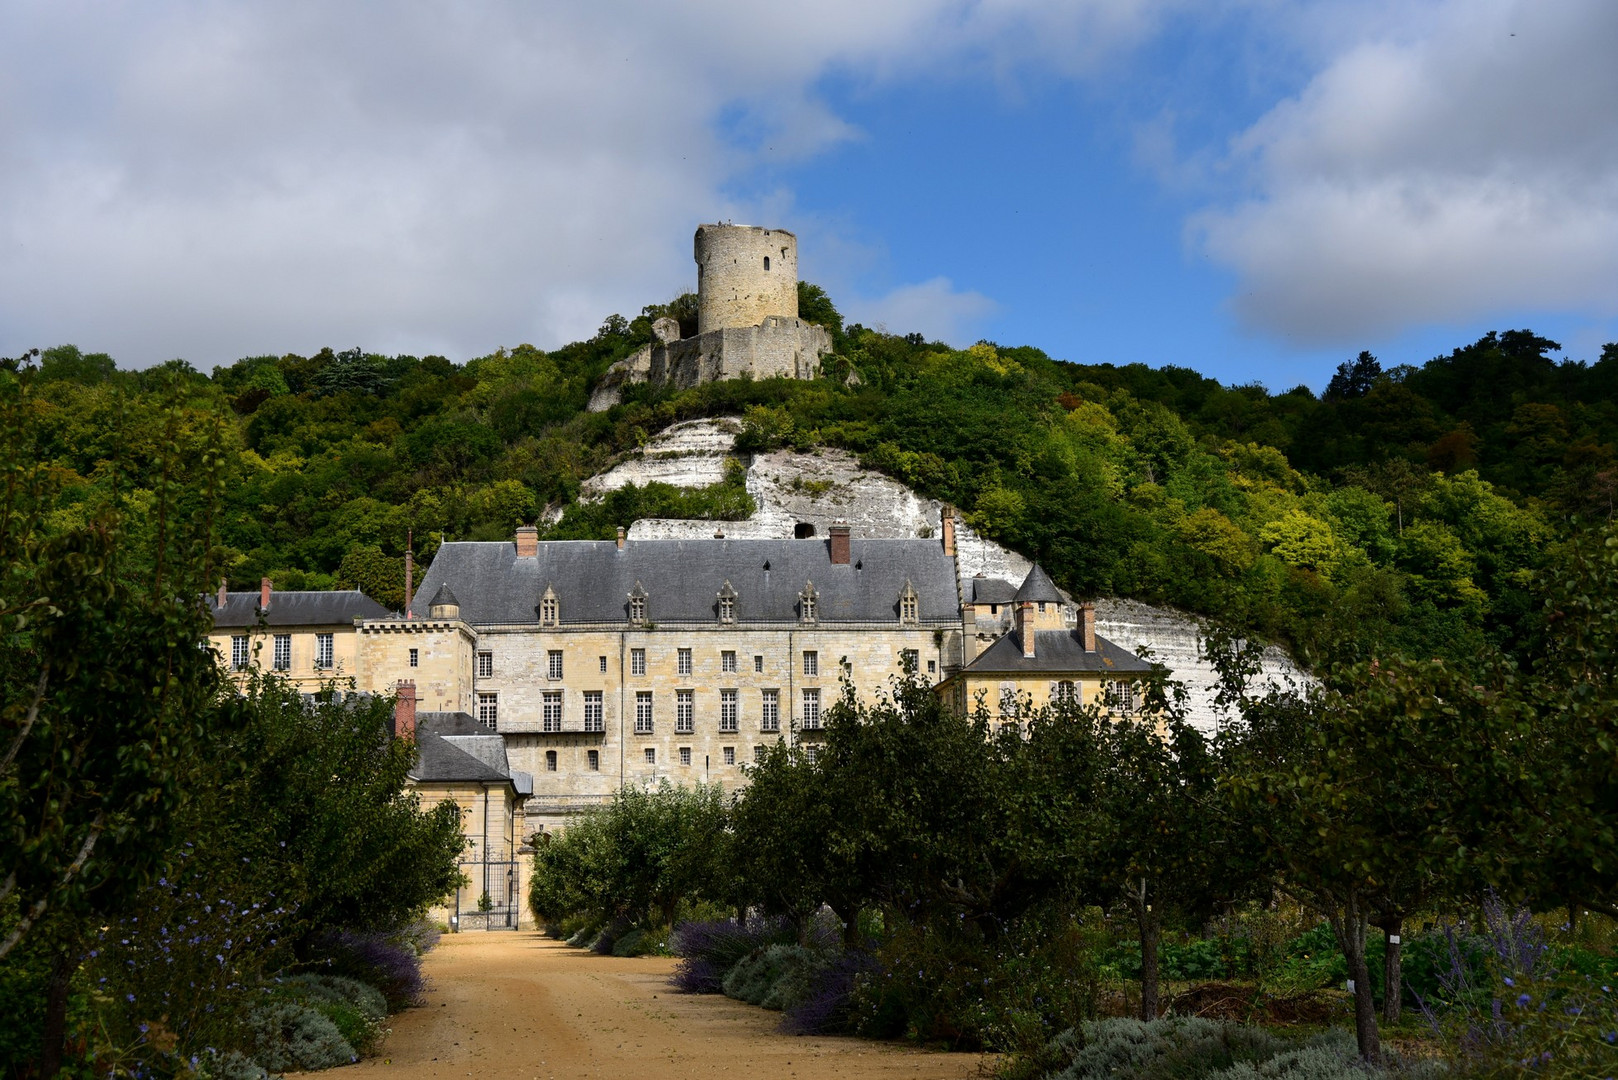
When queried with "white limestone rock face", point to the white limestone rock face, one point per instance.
{"points": [[817, 489]]}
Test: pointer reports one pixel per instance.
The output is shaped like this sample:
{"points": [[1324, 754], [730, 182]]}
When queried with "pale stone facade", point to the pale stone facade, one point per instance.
{"points": [[310, 639]]}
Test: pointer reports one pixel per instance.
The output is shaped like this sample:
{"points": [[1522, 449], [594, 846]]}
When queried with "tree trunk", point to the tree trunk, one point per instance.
{"points": [[1150, 932], [56, 990], [1393, 971], [1349, 926]]}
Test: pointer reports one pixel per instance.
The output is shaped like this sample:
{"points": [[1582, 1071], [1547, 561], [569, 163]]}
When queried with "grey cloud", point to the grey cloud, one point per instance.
{"points": [[211, 179], [1466, 165]]}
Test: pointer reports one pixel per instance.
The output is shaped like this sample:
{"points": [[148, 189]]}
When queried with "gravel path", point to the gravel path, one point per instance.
{"points": [[518, 1006]]}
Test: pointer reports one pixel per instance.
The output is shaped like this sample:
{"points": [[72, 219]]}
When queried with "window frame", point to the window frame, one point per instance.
{"points": [[645, 715], [325, 651], [489, 709], [685, 712], [281, 659], [595, 711], [551, 710], [485, 664], [729, 711], [637, 662], [769, 712], [241, 652], [811, 663], [811, 714], [553, 663]]}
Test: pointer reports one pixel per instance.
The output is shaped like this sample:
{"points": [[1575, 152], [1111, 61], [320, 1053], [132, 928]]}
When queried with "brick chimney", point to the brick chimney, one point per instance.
{"points": [[949, 530], [839, 543], [224, 595], [620, 538], [527, 541], [264, 594], [1087, 625], [1025, 627], [404, 710]]}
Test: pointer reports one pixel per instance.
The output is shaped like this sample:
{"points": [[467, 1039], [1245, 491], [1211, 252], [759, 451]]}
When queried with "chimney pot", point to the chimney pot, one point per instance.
{"points": [[527, 541], [264, 594], [840, 553], [620, 538], [404, 710]]}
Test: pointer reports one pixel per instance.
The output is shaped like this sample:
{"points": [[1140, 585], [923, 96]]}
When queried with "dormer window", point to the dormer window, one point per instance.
{"points": [[909, 604], [727, 604], [549, 608], [807, 603], [637, 605]]}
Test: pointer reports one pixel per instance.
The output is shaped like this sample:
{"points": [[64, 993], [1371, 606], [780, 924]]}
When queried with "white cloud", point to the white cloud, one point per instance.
{"points": [[1464, 163], [213, 179], [932, 308]]}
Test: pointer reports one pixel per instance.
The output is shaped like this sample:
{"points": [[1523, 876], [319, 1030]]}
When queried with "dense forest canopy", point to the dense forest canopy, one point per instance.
{"points": [[1404, 509]]}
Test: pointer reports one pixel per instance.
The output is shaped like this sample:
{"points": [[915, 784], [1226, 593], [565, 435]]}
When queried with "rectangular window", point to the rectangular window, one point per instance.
{"points": [[485, 665], [730, 755], [593, 719], [551, 706], [643, 712], [489, 710], [603, 661], [239, 652], [651, 756], [910, 661], [415, 657], [1123, 696], [811, 708], [685, 755], [283, 652], [758, 754], [553, 664], [323, 653], [727, 662], [758, 664], [769, 711], [682, 662], [550, 761], [592, 760], [932, 667], [684, 711], [637, 661], [810, 753], [811, 663], [727, 710]]}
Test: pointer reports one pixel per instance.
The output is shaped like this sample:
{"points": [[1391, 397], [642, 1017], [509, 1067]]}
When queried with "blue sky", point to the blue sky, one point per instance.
{"points": [[1257, 189]]}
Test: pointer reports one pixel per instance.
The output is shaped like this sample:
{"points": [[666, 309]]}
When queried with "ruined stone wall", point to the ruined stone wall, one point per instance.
{"points": [[744, 275], [780, 345]]}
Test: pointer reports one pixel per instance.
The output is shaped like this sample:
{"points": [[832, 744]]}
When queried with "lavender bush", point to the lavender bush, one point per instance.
{"points": [[709, 948], [381, 960]]}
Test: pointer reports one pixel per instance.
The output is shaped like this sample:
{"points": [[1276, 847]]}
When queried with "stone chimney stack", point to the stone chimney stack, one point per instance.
{"points": [[949, 530], [1025, 627], [620, 538], [224, 595], [840, 554], [1087, 625], [404, 710], [264, 594], [527, 541]]}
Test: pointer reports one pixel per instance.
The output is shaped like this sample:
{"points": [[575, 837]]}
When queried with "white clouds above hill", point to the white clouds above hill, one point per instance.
{"points": [[1464, 162], [215, 179]]}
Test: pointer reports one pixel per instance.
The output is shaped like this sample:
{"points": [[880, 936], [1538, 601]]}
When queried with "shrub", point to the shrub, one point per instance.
{"points": [[285, 1035], [709, 948], [774, 977], [637, 942], [379, 960], [825, 1006]]}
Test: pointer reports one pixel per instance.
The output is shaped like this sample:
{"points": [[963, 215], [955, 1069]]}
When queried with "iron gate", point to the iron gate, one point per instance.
{"points": [[489, 899]]}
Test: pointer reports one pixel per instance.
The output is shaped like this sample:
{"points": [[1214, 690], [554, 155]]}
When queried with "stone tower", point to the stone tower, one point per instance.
{"points": [[744, 274]]}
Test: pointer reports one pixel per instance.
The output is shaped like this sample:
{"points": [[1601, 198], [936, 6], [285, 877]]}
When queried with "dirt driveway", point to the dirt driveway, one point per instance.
{"points": [[518, 1006]]}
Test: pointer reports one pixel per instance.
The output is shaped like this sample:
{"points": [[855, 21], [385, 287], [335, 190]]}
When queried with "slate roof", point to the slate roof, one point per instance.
{"points": [[442, 761], [1056, 651], [442, 597], [992, 590], [1038, 588], [294, 608], [682, 580]]}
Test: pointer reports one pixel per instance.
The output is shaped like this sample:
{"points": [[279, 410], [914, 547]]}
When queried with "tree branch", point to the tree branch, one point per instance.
{"points": [[67, 878], [28, 721]]}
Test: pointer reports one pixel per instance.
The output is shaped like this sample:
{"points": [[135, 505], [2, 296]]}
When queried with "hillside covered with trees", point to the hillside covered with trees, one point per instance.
{"points": [[1404, 510]]}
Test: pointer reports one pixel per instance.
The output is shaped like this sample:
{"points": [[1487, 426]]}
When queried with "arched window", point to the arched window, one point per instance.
{"points": [[766, 262], [1065, 691]]}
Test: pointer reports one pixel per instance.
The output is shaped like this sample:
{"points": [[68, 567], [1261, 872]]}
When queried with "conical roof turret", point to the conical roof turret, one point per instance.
{"points": [[1038, 588]]}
